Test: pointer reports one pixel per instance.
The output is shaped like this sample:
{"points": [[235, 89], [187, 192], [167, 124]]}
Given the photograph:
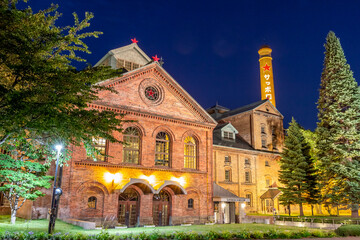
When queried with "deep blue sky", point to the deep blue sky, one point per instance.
{"points": [[210, 47]]}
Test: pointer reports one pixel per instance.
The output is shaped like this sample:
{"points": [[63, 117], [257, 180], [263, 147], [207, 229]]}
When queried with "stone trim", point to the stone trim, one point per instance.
{"points": [[147, 115], [109, 165]]}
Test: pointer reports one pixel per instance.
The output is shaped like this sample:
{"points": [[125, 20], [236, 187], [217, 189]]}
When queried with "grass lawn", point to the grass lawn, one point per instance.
{"points": [[42, 226]]}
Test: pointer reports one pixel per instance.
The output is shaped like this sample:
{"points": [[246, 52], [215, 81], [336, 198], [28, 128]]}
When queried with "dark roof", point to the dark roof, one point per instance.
{"points": [[271, 193], [221, 192], [242, 109], [238, 143], [217, 106]]}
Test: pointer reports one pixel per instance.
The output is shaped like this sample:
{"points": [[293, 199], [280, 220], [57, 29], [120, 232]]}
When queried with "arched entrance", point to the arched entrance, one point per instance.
{"points": [[128, 207], [161, 208]]}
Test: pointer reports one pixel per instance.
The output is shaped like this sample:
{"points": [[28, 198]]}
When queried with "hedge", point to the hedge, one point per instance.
{"points": [[348, 230], [104, 235]]}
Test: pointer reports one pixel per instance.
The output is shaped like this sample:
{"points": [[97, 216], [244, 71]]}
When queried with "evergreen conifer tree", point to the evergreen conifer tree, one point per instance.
{"points": [[338, 129], [293, 168]]}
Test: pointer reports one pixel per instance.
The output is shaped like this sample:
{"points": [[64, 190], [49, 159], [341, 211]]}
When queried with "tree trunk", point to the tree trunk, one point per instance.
{"points": [[289, 210], [354, 211], [337, 211], [312, 210], [301, 209], [13, 216]]}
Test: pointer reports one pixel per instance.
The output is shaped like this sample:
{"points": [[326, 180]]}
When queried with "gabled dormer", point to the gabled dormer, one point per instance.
{"points": [[129, 57], [228, 132]]}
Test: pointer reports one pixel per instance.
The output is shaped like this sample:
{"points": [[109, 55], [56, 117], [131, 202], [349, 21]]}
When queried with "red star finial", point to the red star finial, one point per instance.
{"points": [[134, 40], [266, 67], [267, 97], [156, 59]]}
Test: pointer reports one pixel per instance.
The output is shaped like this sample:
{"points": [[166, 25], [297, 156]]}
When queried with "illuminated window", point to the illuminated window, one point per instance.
{"points": [[227, 159], [191, 203], [131, 145], [190, 153], [249, 196], [247, 177], [92, 202], [162, 150], [228, 175], [100, 145]]}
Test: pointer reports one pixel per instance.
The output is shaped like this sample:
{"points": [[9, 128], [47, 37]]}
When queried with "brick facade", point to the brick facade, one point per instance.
{"points": [[174, 113]]}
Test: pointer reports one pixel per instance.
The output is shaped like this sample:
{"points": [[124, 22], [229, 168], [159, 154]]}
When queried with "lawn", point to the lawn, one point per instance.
{"points": [[42, 226]]}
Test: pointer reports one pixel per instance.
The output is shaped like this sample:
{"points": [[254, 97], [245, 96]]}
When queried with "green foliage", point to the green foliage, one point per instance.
{"points": [[296, 168], [348, 230], [40, 91], [174, 236], [338, 128]]}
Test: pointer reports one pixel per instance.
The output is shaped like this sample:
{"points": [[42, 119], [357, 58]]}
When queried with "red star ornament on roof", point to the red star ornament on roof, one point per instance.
{"points": [[266, 67], [156, 59], [134, 40]]}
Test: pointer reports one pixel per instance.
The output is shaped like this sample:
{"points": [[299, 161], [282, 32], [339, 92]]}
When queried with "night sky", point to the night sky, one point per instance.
{"points": [[210, 47]]}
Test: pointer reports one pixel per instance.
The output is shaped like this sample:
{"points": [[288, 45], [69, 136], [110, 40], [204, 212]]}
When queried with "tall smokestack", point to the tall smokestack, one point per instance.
{"points": [[266, 74]]}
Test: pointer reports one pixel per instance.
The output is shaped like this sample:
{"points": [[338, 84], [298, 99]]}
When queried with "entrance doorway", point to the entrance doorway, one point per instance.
{"points": [[161, 208], [128, 207]]}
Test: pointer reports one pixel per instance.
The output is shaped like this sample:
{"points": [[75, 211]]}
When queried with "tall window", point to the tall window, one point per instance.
{"points": [[190, 153], [227, 159], [228, 175], [263, 142], [162, 150], [268, 181], [249, 196], [131, 145], [92, 202], [247, 177], [263, 129], [100, 145], [191, 203]]}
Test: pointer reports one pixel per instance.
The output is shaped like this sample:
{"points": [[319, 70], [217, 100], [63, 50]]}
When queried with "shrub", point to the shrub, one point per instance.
{"points": [[348, 230]]}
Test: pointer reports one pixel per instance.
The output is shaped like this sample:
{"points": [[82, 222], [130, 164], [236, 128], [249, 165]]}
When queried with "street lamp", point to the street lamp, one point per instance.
{"points": [[57, 191]]}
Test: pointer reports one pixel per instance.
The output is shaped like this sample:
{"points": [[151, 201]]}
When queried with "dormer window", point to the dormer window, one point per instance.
{"points": [[229, 135]]}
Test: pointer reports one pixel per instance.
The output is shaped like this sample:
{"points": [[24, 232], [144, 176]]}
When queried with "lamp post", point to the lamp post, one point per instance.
{"points": [[56, 193]]}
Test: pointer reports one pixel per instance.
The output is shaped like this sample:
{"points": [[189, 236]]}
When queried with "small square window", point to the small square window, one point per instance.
{"points": [[267, 164], [247, 161], [227, 159], [263, 143]]}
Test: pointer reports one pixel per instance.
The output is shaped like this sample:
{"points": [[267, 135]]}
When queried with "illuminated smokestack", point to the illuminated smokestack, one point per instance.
{"points": [[266, 74]]}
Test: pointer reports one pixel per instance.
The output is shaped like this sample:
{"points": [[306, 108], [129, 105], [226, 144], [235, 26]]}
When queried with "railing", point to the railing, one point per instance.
{"points": [[319, 220]]}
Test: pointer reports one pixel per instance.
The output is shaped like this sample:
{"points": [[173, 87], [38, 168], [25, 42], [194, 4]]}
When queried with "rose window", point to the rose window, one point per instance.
{"points": [[152, 93]]}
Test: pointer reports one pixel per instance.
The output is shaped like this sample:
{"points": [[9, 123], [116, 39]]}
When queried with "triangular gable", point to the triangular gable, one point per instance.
{"points": [[229, 128], [131, 53], [268, 107], [175, 96]]}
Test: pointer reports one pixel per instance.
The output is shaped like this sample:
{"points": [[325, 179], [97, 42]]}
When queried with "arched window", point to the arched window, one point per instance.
{"points": [[162, 150], [92, 202], [131, 145], [191, 203], [190, 153]]}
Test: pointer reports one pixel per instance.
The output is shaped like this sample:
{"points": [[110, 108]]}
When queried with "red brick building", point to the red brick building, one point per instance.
{"points": [[163, 175]]}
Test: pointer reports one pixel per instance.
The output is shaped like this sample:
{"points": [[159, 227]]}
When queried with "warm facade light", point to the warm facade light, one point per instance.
{"points": [[150, 179], [243, 205], [180, 180], [223, 205], [114, 178]]}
